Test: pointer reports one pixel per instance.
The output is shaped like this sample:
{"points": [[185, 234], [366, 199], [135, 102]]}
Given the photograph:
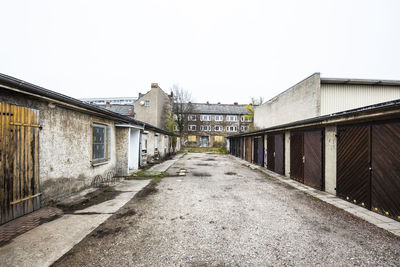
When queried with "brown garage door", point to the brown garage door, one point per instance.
{"points": [[385, 183], [353, 162], [279, 146], [259, 150], [248, 149], [270, 152], [313, 159], [296, 156]]}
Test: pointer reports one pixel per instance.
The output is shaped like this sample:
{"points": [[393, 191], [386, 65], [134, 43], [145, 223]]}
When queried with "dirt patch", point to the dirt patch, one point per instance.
{"points": [[230, 173], [93, 198], [100, 233], [125, 214], [49, 219], [201, 174], [147, 190]]}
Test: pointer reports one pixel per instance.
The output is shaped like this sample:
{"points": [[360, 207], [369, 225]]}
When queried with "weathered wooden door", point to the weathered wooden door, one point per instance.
{"points": [[248, 149], [19, 174], [296, 156], [385, 182], [313, 159], [271, 152], [279, 155], [353, 164]]}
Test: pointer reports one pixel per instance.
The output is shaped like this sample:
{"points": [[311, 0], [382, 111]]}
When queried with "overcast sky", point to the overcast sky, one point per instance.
{"points": [[221, 51]]}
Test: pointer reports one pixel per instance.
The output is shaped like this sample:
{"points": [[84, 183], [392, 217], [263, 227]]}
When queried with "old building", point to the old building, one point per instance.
{"points": [[111, 100], [52, 145], [316, 96], [152, 107], [208, 124], [353, 154]]}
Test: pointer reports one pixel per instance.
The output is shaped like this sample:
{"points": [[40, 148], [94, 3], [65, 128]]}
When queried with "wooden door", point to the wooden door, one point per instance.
{"points": [[270, 152], [279, 154], [385, 182], [296, 156], [19, 173], [248, 150], [259, 150], [313, 159], [353, 164]]}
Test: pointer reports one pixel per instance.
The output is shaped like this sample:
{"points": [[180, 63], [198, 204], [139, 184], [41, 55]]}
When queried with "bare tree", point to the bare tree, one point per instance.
{"points": [[181, 107]]}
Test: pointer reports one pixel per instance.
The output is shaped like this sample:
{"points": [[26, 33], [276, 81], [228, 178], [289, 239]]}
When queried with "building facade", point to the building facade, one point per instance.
{"points": [[110, 100], [316, 96], [207, 124]]}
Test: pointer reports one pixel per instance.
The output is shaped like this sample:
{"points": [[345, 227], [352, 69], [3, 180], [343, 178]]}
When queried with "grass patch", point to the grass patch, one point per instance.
{"points": [[155, 180], [145, 175]]}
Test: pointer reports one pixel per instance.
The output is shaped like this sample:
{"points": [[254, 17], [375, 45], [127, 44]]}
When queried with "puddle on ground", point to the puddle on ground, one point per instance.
{"points": [[201, 174]]}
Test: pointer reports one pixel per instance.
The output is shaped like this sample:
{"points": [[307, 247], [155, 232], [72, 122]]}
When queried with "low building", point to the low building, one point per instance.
{"points": [[316, 96], [52, 145], [208, 124]]}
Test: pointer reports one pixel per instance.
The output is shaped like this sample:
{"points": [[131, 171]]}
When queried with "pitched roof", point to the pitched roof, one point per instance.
{"points": [[122, 109], [219, 108]]}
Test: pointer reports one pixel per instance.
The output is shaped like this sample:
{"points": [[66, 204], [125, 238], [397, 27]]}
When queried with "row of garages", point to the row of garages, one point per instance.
{"points": [[355, 155]]}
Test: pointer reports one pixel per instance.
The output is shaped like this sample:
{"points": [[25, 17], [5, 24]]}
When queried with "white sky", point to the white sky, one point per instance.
{"points": [[221, 51]]}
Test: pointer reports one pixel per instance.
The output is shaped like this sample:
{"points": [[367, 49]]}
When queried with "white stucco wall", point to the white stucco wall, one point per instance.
{"points": [[287, 153], [330, 159], [299, 102]]}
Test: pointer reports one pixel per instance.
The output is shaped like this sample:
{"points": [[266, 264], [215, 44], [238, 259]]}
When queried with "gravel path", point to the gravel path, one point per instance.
{"points": [[225, 214]]}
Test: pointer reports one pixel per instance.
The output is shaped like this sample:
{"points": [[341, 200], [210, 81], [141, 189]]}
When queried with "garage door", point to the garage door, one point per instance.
{"points": [[259, 150], [248, 149], [270, 152], [296, 156], [279, 164]]}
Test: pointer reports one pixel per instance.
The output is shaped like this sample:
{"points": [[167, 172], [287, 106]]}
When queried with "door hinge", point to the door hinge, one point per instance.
{"points": [[304, 159]]}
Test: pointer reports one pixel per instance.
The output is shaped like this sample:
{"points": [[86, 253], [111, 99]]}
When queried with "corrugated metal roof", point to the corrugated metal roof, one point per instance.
{"points": [[205, 108], [360, 81]]}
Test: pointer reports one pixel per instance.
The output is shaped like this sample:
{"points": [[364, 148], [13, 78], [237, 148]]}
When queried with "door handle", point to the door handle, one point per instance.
{"points": [[274, 154], [304, 159]]}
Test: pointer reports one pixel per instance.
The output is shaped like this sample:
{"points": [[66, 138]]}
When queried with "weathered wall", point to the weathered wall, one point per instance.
{"points": [[287, 153], [122, 144], [330, 159], [299, 102], [155, 112], [65, 147]]}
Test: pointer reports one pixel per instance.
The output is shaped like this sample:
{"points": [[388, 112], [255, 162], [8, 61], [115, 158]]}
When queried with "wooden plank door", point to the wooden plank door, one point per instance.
{"points": [[385, 181], [270, 152], [19, 174], [248, 150], [353, 164], [313, 159], [279, 155], [296, 156]]}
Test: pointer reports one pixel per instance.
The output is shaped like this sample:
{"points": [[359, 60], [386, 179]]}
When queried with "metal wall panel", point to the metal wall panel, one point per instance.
{"points": [[339, 97]]}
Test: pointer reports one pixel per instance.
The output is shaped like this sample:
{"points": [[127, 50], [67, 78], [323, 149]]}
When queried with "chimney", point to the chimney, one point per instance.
{"points": [[108, 105], [219, 103], [235, 103], [154, 85], [129, 112], [208, 103]]}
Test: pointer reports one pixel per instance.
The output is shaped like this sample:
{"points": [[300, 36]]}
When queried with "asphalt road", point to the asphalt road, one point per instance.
{"points": [[225, 214]]}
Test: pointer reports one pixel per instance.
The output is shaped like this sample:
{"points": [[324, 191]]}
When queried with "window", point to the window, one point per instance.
{"points": [[192, 127], [192, 117], [231, 118], [192, 138], [244, 128], [218, 118], [205, 128], [100, 142], [176, 128], [218, 128], [205, 117], [175, 117], [246, 119], [147, 103], [218, 138], [231, 128]]}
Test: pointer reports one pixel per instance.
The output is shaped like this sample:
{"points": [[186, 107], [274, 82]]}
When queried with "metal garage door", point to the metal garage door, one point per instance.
{"points": [[259, 150], [19, 172], [248, 149], [270, 152]]}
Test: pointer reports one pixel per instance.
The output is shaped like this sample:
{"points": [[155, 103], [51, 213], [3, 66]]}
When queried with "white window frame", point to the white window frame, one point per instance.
{"points": [[244, 119], [192, 117], [220, 128], [244, 128], [205, 117], [176, 128], [231, 118], [205, 128], [218, 117], [192, 128], [147, 103], [234, 128]]}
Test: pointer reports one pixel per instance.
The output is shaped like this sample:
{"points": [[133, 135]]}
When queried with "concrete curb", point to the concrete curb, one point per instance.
{"points": [[376, 219]]}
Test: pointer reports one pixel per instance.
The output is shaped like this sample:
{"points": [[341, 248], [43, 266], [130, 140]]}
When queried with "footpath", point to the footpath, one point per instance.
{"points": [[47, 242]]}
